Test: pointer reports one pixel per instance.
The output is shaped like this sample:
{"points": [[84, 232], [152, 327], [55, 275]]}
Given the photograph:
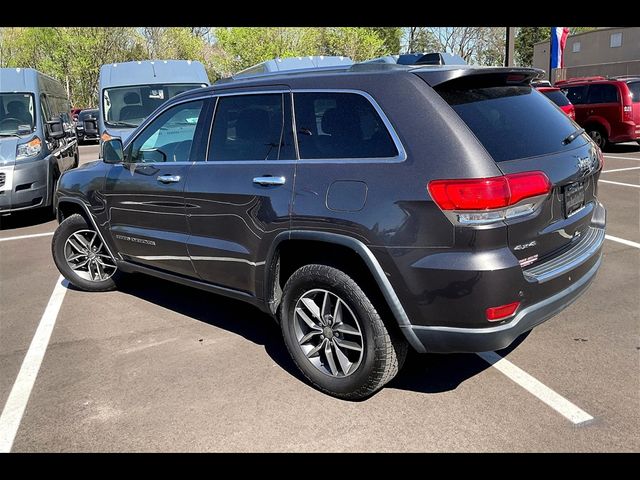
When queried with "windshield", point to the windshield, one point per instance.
{"points": [[84, 114], [511, 121], [129, 106], [17, 113]]}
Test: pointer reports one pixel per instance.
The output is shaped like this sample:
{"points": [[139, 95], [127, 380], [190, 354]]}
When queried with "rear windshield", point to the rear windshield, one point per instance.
{"points": [[511, 121], [557, 97], [634, 87]]}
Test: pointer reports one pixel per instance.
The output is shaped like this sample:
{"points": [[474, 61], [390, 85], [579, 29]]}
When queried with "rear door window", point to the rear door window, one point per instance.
{"points": [[577, 95], [336, 125], [511, 122], [247, 128], [634, 87], [603, 93]]}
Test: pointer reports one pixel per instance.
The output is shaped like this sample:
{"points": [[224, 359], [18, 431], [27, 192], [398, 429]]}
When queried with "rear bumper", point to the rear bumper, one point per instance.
{"points": [[626, 132], [544, 290], [451, 339]]}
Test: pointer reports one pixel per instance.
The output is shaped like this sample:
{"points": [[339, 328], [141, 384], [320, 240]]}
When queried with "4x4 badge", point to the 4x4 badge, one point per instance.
{"points": [[525, 245]]}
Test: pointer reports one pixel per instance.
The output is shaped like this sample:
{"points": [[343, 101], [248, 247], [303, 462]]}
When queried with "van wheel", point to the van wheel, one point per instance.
{"points": [[599, 136], [81, 256], [335, 335]]}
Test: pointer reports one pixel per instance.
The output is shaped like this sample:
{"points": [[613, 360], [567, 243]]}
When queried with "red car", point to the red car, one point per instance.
{"points": [[74, 113], [556, 96], [607, 108]]}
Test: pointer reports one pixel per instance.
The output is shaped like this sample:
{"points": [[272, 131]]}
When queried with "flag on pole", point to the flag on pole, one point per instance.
{"points": [[558, 41]]}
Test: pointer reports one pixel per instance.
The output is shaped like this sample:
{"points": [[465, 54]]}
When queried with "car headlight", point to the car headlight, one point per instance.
{"points": [[30, 149]]}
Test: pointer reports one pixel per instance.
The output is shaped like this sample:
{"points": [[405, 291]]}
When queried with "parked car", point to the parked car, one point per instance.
{"points": [[74, 114], [366, 208], [89, 117], [608, 108], [130, 91], [37, 141], [559, 98]]}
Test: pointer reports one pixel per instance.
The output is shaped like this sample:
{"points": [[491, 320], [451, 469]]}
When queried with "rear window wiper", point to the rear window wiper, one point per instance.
{"points": [[573, 136]]}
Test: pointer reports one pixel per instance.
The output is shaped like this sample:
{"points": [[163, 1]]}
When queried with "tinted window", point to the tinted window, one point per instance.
{"points": [[557, 97], [577, 95], [340, 125], [634, 87], [603, 94], [511, 121], [169, 137], [247, 127]]}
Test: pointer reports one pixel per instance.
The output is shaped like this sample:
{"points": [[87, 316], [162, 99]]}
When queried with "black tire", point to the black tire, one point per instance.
{"points": [[599, 136], [68, 227], [384, 350]]}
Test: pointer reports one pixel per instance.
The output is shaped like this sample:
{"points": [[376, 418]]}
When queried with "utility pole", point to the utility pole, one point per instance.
{"points": [[510, 47]]}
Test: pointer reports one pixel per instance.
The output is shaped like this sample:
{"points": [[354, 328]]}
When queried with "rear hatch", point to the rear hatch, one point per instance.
{"points": [[524, 132]]}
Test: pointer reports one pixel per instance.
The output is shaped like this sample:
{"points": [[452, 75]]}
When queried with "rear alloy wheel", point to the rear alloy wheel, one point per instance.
{"points": [[82, 257], [335, 335], [598, 136]]}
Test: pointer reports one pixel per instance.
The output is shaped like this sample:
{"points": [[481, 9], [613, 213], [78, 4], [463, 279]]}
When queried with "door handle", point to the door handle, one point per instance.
{"points": [[169, 178], [269, 180]]}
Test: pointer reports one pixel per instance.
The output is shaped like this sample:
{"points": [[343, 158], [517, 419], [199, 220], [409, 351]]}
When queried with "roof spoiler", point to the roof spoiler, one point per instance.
{"points": [[488, 75]]}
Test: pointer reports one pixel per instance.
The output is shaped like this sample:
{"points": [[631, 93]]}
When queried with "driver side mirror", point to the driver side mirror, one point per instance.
{"points": [[56, 129], [112, 151]]}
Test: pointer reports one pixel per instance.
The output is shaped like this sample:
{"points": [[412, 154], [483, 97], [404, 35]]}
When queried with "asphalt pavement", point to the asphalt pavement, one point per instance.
{"points": [[161, 367]]}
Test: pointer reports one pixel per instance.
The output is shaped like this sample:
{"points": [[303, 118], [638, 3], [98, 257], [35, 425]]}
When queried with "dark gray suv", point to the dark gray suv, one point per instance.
{"points": [[367, 209]]}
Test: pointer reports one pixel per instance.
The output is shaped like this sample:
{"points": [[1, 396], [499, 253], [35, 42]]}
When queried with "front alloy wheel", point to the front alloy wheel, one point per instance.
{"points": [[81, 256], [87, 257]]}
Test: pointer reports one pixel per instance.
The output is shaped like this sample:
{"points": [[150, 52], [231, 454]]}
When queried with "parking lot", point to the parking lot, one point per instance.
{"points": [[161, 367]]}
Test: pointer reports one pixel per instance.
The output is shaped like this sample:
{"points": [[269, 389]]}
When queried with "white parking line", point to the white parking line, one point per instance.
{"points": [[26, 236], [622, 158], [19, 396], [622, 240], [560, 404], [621, 169], [619, 183]]}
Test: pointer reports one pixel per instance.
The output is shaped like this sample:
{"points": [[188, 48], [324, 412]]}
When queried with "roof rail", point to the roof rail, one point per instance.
{"points": [[581, 79], [623, 77]]}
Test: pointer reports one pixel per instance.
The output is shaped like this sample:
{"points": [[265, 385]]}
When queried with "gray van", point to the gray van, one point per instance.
{"points": [[130, 91], [37, 140]]}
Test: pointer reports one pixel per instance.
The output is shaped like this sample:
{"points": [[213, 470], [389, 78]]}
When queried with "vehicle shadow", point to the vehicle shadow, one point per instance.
{"points": [[215, 310], [623, 148], [27, 218], [437, 373], [422, 373]]}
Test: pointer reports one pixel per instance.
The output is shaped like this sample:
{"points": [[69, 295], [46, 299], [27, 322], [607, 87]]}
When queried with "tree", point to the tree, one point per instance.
{"points": [[354, 42], [391, 37], [419, 39], [526, 38], [480, 45]]}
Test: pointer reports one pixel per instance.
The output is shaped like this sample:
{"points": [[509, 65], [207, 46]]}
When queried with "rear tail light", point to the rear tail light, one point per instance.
{"points": [[572, 113], [627, 113], [601, 159], [486, 200], [495, 314]]}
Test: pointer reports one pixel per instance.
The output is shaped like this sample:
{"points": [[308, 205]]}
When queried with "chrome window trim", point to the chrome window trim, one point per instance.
{"points": [[401, 157], [151, 118], [402, 154]]}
